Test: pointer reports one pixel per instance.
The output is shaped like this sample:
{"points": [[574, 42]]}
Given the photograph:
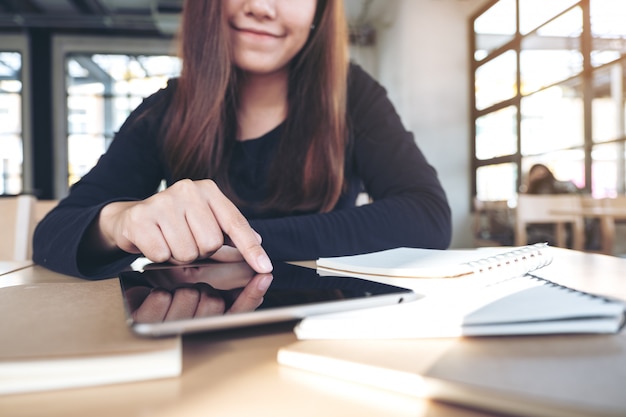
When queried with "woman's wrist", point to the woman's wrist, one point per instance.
{"points": [[104, 233]]}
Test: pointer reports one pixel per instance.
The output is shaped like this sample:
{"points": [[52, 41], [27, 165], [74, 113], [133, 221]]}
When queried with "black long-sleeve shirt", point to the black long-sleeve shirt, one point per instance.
{"points": [[409, 205]]}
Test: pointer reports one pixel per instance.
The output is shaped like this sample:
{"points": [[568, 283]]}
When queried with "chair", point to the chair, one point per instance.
{"points": [[39, 211], [15, 222], [611, 213], [619, 245], [554, 210], [493, 223]]}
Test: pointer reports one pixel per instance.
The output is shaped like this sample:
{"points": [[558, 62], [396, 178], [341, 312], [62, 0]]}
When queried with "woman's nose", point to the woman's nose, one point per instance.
{"points": [[261, 8]]}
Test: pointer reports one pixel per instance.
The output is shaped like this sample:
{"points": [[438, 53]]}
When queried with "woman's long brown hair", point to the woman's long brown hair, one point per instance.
{"points": [[199, 129]]}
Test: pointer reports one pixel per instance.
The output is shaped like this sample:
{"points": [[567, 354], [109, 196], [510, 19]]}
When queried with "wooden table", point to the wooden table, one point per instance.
{"points": [[608, 216], [10, 266], [236, 373]]}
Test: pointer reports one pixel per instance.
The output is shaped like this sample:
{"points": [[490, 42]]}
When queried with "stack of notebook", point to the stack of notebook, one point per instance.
{"points": [[465, 293], [73, 334], [420, 348]]}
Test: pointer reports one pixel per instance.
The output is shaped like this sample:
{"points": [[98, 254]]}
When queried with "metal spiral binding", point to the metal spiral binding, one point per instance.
{"points": [[521, 260]]}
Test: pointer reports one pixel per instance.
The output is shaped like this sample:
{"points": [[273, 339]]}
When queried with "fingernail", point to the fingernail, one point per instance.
{"points": [[265, 264], [265, 282]]}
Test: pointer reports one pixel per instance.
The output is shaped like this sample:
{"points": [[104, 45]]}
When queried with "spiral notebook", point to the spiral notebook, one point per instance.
{"points": [[521, 305], [465, 293], [436, 263], [431, 272]]}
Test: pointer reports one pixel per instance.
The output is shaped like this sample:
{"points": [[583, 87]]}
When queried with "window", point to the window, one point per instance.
{"points": [[14, 137], [102, 90], [97, 82], [549, 86], [11, 148]]}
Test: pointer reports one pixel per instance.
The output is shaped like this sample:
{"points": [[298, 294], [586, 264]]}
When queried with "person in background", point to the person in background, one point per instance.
{"points": [[263, 143], [541, 180]]}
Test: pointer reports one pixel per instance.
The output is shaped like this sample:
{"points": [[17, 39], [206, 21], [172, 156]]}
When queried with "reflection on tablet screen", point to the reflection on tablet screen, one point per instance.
{"points": [[161, 294]]}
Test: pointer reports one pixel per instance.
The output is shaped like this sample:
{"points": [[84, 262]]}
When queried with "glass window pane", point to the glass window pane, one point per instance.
{"points": [[496, 133], [84, 113], [496, 80], [11, 159], [608, 30], [608, 102], [114, 66], [496, 182], [552, 53], [159, 65], [567, 165], [494, 28], [11, 143], [552, 119], [534, 13], [607, 169], [83, 153], [103, 89]]}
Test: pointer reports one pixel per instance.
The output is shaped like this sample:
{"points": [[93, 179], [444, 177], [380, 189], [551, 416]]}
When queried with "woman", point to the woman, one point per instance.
{"points": [[541, 180], [264, 141]]}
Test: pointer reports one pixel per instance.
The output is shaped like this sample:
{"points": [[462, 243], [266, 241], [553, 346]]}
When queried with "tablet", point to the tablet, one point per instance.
{"points": [[164, 300]]}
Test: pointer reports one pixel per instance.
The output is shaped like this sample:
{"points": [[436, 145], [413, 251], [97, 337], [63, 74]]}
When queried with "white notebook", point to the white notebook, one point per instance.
{"points": [[432, 272], [555, 376], [513, 306], [436, 263]]}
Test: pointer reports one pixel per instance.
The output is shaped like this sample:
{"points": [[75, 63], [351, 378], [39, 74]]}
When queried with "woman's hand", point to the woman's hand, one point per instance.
{"points": [[189, 220]]}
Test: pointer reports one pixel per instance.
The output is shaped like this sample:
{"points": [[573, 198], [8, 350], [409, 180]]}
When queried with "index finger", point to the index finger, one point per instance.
{"points": [[235, 225], [252, 294]]}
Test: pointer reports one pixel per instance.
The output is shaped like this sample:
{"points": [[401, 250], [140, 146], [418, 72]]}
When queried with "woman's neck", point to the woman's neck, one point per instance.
{"points": [[262, 104]]}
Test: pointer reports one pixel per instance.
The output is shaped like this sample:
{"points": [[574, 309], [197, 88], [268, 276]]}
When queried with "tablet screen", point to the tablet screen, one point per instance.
{"points": [[166, 299]]}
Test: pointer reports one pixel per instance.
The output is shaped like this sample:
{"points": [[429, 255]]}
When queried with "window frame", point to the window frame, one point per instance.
{"points": [[587, 78], [64, 45]]}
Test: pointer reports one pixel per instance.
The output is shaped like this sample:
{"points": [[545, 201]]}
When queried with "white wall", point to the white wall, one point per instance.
{"points": [[422, 60]]}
